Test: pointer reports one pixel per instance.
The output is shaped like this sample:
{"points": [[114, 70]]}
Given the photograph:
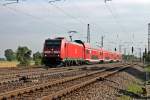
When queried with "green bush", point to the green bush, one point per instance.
{"points": [[10, 55], [23, 56], [37, 57]]}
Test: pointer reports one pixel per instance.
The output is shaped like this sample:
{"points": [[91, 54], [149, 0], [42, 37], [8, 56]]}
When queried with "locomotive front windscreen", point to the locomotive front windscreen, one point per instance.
{"points": [[53, 43]]}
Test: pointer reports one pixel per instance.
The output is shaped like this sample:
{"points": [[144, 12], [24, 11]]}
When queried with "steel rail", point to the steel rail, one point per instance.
{"points": [[32, 88], [28, 89], [75, 87], [31, 75]]}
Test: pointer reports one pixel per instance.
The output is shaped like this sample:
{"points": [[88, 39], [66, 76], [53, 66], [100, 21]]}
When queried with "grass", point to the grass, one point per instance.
{"points": [[147, 68], [8, 64], [124, 98], [135, 88]]}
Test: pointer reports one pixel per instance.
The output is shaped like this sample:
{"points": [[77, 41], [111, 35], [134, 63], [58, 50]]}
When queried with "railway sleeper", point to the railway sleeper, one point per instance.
{"points": [[75, 87], [21, 91]]}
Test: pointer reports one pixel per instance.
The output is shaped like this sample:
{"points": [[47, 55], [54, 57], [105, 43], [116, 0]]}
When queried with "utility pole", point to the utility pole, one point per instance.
{"points": [[125, 59], [124, 51], [120, 47], [149, 37], [140, 53], [88, 33], [102, 41]]}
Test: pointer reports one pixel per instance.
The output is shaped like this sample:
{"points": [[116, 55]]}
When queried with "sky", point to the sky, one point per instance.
{"points": [[29, 23]]}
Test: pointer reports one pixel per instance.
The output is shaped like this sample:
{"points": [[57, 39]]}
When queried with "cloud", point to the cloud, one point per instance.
{"points": [[30, 22], [141, 2]]}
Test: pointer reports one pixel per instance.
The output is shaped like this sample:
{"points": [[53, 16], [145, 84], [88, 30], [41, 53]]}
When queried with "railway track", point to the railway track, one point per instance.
{"points": [[26, 82], [65, 91], [60, 87], [32, 74], [45, 77], [16, 76]]}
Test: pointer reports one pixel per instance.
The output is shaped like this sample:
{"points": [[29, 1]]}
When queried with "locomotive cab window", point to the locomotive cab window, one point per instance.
{"points": [[52, 43]]}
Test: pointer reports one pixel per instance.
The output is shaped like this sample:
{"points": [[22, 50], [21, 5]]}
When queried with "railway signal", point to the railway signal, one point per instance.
{"points": [[145, 51], [88, 33], [132, 49]]}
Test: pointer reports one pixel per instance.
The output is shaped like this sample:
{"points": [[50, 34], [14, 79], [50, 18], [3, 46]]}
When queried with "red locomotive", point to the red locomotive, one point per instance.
{"points": [[59, 51]]}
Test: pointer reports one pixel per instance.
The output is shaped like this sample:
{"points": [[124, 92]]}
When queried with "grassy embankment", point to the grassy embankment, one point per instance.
{"points": [[147, 69], [8, 64], [132, 89], [135, 89]]}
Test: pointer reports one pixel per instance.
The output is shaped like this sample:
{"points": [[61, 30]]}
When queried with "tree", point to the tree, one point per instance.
{"points": [[37, 57], [146, 56], [128, 57], [24, 55], [10, 55], [2, 59]]}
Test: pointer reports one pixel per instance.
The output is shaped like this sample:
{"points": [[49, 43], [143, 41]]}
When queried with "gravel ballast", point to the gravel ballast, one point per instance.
{"points": [[113, 88]]}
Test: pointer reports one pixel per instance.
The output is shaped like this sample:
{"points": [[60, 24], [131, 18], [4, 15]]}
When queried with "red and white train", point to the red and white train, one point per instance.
{"points": [[59, 51]]}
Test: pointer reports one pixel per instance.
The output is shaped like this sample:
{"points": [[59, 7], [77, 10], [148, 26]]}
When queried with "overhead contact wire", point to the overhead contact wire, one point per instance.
{"points": [[30, 15]]}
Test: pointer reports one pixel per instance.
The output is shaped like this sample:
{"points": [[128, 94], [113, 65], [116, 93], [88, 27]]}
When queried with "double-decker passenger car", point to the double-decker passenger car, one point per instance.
{"points": [[59, 51]]}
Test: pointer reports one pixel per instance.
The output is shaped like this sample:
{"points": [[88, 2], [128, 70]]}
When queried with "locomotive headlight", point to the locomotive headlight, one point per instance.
{"points": [[45, 55], [56, 52], [47, 52]]}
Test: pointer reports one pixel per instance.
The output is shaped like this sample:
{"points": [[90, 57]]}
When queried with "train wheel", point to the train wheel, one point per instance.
{"points": [[79, 63], [69, 63], [66, 64], [60, 65]]}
